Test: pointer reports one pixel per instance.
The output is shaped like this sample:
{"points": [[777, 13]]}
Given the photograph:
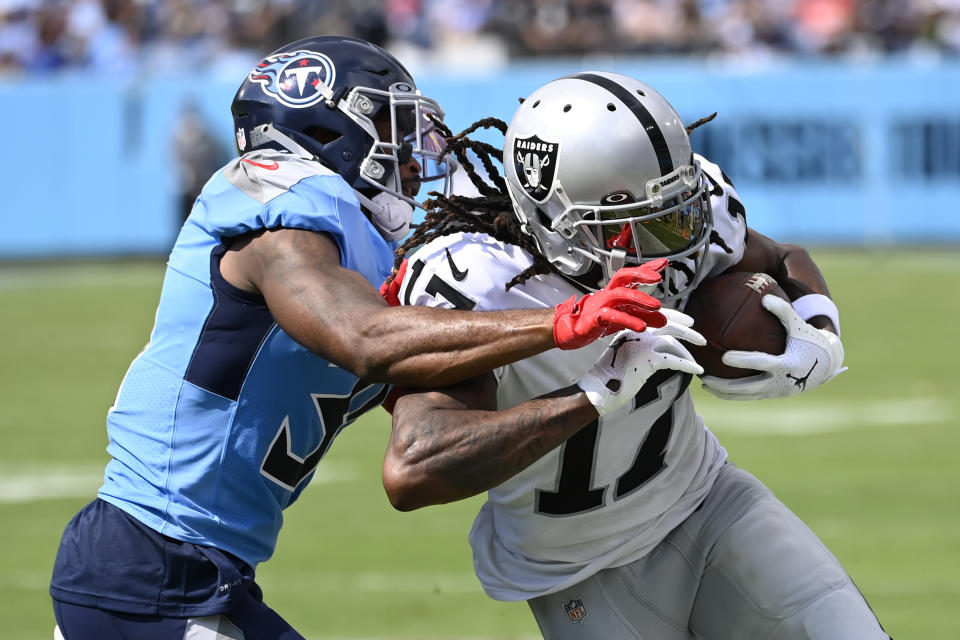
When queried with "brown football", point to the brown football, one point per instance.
{"points": [[727, 311]]}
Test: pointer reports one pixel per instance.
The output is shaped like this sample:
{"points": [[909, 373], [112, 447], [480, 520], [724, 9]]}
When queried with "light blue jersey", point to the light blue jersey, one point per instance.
{"points": [[223, 417]]}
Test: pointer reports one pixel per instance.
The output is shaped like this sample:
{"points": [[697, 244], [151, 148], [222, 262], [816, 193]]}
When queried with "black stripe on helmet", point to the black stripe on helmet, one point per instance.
{"points": [[643, 115]]}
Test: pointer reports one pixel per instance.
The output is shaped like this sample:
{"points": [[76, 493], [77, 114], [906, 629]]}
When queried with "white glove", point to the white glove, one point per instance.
{"points": [[633, 357], [813, 356]]}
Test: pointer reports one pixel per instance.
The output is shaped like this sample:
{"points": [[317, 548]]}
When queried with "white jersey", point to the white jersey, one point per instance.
{"points": [[614, 490]]}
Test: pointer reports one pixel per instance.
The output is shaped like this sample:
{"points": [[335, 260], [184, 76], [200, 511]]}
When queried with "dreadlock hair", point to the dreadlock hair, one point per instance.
{"points": [[490, 213], [702, 121]]}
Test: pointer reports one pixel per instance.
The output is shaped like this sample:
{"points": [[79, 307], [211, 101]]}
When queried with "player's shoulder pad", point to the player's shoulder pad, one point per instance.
{"points": [[729, 219], [267, 189], [266, 174], [468, 271]]}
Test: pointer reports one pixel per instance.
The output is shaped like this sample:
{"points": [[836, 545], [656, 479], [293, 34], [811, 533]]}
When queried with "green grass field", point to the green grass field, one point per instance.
{"points": [[869, 461]]}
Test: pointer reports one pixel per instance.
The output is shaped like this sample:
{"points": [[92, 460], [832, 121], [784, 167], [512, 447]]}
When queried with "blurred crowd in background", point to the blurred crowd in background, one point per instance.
{"points": [[159, 35]]}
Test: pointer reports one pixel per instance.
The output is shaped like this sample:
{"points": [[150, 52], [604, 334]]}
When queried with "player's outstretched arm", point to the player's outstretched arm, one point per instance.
{"points": [[337, 314], [452, 443]]}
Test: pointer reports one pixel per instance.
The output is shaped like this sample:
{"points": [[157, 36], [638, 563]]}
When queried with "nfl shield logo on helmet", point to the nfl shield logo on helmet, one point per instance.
{"points": [[296, 78], [241, 139], [575, 610], [536, 164]]}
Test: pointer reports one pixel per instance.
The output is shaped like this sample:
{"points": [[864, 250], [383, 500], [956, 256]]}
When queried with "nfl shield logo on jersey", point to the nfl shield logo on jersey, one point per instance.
{"points": [[575, 610], [536, 164]]}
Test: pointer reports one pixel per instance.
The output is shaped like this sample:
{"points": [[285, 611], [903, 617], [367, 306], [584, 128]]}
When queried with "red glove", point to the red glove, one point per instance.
{"points": [[632, 277], [617, 306], [391, 291]]}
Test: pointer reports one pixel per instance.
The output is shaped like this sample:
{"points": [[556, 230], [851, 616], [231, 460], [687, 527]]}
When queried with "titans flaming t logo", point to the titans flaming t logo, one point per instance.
{"points": [[296, 78], [536, 165]]}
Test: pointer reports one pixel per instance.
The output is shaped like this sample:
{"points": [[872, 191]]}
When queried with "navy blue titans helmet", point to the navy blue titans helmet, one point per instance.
{"points": [[347, 103]]}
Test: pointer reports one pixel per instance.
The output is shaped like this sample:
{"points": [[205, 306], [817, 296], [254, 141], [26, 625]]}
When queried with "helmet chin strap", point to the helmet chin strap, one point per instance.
{"points": [[615, 262], [389, 214], [268, 132], [392, 216]]}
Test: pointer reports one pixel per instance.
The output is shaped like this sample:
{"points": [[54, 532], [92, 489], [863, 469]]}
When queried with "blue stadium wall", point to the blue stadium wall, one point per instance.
{"points": [[822, 152]]}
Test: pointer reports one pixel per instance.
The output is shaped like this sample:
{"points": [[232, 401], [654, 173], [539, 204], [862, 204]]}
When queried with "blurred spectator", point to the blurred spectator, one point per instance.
{"points": [[660, 26], [52, 50], [198, 155], [18, 34], [123, 35]]}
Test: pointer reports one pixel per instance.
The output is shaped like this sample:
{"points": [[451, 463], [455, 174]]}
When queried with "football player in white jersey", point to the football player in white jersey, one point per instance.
{"points": [[611, 508]]}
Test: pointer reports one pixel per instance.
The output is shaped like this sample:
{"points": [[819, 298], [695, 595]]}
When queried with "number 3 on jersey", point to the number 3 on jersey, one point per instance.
{"points": [[285, 468], [574, 494]]}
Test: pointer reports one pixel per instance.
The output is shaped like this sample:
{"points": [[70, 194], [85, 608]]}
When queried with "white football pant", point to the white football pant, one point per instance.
{"points": [[741, 567]]}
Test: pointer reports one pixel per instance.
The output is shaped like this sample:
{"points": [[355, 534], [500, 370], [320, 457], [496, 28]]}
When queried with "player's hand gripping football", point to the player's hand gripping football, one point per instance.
{"points": [[619, 305], [813, 356], [632, 358]]}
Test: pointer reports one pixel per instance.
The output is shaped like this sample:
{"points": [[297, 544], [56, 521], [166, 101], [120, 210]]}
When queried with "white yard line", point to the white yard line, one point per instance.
{"points": [[22, 483], [778, 419]]}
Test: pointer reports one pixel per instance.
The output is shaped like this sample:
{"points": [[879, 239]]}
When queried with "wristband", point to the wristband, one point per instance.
{"points": [[817, 304]]}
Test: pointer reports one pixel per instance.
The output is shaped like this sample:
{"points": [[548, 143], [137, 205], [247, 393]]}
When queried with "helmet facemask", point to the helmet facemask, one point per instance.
{"points": [[412, 133], [673, 222]]}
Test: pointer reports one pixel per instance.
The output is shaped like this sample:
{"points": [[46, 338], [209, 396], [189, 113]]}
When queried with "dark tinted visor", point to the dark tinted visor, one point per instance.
{"points": [[663, 235]]}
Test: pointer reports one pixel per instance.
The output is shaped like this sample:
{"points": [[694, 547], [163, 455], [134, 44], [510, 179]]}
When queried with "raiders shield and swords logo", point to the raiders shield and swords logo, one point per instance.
{"points": [[536, 164]]}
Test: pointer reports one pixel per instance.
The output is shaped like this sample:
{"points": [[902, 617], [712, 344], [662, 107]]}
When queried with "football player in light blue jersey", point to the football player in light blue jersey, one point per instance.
{"points": [[271, 337]]}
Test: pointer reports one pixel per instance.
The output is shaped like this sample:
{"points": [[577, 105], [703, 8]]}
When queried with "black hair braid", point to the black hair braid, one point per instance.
{"points": [[714, 236], [702, 121], [459, 145], [490, 213]]}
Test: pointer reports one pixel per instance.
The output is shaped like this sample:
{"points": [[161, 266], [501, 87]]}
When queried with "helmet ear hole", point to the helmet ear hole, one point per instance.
{"points": [[543, 219], [322, 134]]}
